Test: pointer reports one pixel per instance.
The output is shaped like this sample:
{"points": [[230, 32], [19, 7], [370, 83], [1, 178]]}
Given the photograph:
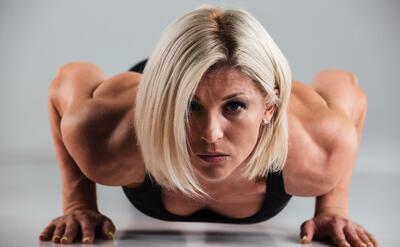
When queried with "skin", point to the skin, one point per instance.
{"points": [[222, 123], [326, 119]]}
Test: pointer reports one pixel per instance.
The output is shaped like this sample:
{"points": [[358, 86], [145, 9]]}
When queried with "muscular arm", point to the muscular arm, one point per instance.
{"points": [[340, 167], [79, 192], [97, 124], [342, 92], [331, 210]]}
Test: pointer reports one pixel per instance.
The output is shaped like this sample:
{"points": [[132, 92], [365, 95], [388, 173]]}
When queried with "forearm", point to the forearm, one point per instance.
{"points": [[336, 201], [78, 191]]}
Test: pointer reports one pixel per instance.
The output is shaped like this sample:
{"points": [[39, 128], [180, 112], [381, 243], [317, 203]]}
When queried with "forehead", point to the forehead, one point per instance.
{"points": [[225, 80]]}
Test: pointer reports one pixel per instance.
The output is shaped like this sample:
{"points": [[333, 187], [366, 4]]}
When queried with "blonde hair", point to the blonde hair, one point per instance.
{"points": [[191, 46]]}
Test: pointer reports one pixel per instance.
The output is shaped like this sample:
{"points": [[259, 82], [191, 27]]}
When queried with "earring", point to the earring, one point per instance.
{"points": [[265, 121]]}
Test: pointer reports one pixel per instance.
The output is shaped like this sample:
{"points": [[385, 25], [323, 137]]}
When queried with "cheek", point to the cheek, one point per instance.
{"points": [[240, 135], [244, 135]]}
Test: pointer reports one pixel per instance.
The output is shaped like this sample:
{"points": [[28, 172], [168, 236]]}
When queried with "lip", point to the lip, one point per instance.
{"points": [[213, 158], [213, 153]]}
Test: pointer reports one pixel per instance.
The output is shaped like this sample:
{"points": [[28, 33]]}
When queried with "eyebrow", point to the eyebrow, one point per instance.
{"points": [[226, 97]]}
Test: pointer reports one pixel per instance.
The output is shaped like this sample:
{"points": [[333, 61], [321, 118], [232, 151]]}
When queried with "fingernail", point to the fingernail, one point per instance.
{"points": [[363, 245], [347, 244], [56, 237], [304, 238], [86, 240], [111, 235], [64, 239]]}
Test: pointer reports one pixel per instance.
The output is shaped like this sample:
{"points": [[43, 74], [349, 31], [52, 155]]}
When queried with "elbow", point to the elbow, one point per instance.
{"points": [[324, 181], [328, 182], [313, 183], [98, 175]]}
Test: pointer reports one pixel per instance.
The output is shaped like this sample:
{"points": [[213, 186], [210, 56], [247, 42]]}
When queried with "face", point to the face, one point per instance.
{"points": [[225, 117]]}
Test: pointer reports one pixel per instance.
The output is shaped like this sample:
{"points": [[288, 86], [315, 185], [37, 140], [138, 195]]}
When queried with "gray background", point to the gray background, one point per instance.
{"points": [[39, 36]]}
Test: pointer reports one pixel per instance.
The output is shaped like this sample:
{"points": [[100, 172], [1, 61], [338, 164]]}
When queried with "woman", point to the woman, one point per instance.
{"points": [[214, 130]]}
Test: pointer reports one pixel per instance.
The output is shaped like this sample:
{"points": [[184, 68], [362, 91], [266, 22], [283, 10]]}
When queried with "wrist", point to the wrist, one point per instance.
{"points": [[332, 211], [74, 206]]}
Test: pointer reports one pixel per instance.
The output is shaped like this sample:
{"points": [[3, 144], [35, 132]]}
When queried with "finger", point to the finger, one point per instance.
{"points": [[352, 236], [307, 230], [47, 232], [108, 229], [372, 238], [338, 236], [70, 233], [58, 232], [88, 234], [364, 237]]}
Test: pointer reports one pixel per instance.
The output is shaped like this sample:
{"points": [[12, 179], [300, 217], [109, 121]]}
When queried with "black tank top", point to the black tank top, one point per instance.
{"points": [[147, 197]]}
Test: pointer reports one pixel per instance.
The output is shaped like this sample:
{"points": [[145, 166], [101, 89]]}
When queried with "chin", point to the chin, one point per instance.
{"points": [[213, 176]]}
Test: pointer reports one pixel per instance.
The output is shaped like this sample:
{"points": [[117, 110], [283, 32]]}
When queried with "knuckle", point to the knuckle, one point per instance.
{"points": [[49, 227], [347, 228], [55, 220], [60, 225], [85, 217], [86, 229], [71, 228], [78, 214], [67, 218], [335, 221]]}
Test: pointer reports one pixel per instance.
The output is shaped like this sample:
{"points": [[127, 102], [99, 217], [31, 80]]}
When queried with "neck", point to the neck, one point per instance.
{"points": [[231, 186]]}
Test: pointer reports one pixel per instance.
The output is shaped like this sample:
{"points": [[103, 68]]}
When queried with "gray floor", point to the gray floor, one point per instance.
{"points": [[30, 198]]}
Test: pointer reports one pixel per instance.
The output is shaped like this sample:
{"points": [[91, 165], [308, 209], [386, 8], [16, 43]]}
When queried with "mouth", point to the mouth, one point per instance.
{"points": [[213, 158]]}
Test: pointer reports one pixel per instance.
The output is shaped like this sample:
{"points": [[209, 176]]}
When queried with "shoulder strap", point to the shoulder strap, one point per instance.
{"points": [[139, 67]]}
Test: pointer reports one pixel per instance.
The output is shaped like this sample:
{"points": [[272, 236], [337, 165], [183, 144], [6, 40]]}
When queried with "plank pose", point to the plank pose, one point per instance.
{"points": [[211, 128]]}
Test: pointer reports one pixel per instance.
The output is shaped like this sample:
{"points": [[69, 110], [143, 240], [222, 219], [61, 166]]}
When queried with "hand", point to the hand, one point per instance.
{"points": [[64, 229], [342, 231]]}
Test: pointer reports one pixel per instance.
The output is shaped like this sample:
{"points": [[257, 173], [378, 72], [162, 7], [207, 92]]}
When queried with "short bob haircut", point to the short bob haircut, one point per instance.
{"points": [[192, 45]]}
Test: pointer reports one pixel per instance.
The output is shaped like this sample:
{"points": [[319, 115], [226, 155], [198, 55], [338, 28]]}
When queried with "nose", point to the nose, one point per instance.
{"points": [[211, 130]]}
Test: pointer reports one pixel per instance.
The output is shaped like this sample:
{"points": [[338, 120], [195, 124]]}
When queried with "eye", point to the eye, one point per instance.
{"points": [[235, 106], [194, 106]]}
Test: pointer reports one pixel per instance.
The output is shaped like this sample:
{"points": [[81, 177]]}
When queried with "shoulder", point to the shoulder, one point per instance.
{"points": [[339, 88], [97, 121], [101, 106], [321, 141], [116, 86], [101, 128]]}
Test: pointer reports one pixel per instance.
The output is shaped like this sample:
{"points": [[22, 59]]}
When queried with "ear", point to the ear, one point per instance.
{"points": [[276, 90], [270, 111]]}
